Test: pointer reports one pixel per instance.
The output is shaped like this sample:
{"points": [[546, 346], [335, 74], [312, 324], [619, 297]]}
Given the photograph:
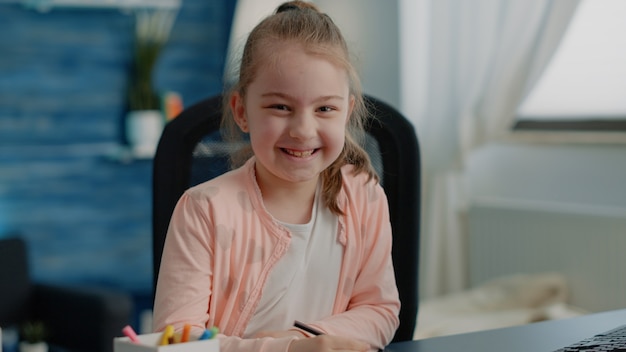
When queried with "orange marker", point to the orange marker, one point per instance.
{"points": [[186, 331]]}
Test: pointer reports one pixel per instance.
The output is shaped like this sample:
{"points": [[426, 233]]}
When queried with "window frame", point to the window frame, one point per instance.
{"points": [[597, 125], [579, 125]]}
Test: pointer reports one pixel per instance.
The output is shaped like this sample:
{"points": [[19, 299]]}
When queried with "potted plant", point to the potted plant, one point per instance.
{"points": [[144, 119], [33, 337]]}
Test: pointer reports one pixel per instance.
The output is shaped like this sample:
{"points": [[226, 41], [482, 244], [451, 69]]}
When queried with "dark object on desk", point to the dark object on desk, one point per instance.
{"points": [[612, 340], [543, 336], [76, 318], [190, 151]]}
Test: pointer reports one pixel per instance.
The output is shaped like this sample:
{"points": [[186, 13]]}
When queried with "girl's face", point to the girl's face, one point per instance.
{"points": [[295, 111]]}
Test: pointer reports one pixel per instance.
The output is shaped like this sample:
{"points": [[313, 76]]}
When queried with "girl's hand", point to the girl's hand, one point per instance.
{"points": [[328, 343]]}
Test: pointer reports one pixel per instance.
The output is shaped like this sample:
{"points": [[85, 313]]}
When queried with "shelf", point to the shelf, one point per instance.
{"points": [[126, 5]]}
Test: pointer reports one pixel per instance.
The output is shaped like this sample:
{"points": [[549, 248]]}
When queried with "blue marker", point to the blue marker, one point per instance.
{"points": [[209, 333]]}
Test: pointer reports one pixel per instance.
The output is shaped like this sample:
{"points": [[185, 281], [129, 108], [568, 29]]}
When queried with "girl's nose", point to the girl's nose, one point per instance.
{"points": [[302, 126]]}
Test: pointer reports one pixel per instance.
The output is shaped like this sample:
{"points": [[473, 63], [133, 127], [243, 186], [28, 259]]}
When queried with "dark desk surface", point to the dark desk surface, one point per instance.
{"points": [[537, 337]]}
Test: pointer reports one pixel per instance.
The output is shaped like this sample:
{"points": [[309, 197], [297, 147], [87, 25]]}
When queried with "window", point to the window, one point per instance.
{"points": [[583, 88]]}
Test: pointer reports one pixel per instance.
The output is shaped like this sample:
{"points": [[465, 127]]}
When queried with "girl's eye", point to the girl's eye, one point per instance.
{"points": [[280, 107], [326, 109]]}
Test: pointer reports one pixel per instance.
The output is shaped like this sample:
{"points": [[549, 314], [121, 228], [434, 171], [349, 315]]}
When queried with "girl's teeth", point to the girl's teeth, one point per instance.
{"points": [[299, 154]]}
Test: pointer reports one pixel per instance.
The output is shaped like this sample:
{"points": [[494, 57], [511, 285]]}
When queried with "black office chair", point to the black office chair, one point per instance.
{"points": [[76, 318], [190, 152]]}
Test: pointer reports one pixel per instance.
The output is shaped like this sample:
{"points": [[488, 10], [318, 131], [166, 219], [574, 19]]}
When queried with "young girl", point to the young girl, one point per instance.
{"points": [[301, 230]]}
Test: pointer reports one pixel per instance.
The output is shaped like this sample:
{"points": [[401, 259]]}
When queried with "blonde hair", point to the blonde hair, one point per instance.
{"points": [[302, 22]]}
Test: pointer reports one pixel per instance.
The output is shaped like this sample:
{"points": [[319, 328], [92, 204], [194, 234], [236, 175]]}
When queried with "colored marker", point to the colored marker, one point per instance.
{"points": [[307, 328], [168, 335], [209, 333], [186, 331], [130, 333]]}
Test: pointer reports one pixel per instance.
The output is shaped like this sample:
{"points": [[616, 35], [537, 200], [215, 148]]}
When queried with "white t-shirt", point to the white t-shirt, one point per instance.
{"points": [[303, 284]]}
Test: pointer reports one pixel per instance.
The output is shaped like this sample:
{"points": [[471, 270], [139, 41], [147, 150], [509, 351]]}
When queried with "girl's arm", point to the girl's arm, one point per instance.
{"points": [[184, 287], [371, 314]]}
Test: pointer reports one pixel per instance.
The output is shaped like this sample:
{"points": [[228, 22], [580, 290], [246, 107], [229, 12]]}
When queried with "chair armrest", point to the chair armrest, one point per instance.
{"points": [[81, 318]]}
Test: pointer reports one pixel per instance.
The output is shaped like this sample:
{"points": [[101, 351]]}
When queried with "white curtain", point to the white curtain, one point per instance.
{"points": [[484, 56]]}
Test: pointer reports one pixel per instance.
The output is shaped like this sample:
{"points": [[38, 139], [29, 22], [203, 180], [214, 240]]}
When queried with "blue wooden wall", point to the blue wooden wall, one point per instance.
{"points": [[87, 217]]}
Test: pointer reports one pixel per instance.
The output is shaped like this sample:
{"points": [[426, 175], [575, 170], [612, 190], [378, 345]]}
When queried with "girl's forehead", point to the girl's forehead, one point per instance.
{"points": [[299, 73], [277, 56], [288, 62], [276, 59]]}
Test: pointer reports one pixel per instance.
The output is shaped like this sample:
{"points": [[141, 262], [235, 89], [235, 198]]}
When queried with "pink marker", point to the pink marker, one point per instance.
{"points": [[128, 331]]}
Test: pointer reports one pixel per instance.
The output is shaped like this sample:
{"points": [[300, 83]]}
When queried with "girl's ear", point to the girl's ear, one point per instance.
{"points": [[239, 112]]}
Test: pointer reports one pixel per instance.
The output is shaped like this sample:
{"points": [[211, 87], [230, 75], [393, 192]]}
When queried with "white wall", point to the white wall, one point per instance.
{"points": [[538, 208], [371, 30], [589, 175]]}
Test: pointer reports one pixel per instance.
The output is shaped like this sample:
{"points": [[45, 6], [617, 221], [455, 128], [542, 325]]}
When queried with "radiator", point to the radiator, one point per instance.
{"points": [[585, 243]]}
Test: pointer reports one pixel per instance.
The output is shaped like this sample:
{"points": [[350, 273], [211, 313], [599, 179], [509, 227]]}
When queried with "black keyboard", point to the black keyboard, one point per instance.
{"points": [[612, 340]]}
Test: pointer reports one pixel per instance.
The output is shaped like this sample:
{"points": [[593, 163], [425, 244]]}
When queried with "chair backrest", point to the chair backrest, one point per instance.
{"points": [[190, 151], [15, 283]]}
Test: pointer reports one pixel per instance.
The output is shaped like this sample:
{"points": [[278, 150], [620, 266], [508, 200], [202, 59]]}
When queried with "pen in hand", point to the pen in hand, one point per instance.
{"points": [[307, 328]]}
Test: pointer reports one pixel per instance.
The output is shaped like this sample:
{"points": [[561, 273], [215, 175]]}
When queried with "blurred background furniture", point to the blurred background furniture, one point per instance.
{"points": [[191, 151], [76, 318]]}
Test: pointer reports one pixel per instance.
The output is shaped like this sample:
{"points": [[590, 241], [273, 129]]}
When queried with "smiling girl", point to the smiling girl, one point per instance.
{"points": [[300, 229]]}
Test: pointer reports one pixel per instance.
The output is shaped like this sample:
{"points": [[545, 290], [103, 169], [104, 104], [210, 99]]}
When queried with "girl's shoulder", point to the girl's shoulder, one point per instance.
{"points": [[357, 184], [350, 177], [233, 181], [361, 196]]}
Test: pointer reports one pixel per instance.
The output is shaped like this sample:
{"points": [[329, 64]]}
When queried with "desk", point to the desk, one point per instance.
{"points": [[537, 337]]}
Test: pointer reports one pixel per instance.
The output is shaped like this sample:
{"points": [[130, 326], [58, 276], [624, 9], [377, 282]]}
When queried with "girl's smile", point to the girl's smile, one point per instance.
{"points": [[298, 153]]}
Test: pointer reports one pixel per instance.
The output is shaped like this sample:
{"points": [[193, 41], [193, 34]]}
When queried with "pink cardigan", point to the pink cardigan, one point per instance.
{"points": [[222, 243]]}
